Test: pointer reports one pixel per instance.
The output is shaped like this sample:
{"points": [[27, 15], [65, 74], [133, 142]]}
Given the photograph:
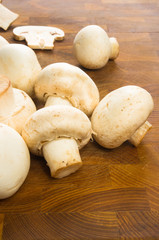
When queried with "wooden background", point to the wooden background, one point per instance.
{"points": [[115, 195]]}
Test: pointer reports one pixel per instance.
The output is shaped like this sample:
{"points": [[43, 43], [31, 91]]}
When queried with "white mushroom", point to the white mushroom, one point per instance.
{"points": [[20, 64], [7, 17], [93, 48], [14, 161], [3, 41], [57, 132], [63, 83], [38, 37], [121, 115], [15, 105]]}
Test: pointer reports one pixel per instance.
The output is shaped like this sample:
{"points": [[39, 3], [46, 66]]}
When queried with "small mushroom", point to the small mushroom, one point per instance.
{"points": [[15, 105], [57, 132], [3, 41], [19, 64], [63, 83], [7, 17], [14, 161], [93, 48], [122, 115], [38, 37]]}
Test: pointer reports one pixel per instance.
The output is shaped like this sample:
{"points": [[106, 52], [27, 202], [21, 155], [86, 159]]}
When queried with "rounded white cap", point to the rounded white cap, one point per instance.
{"points": [[14, 161], [51, 123], [119, 114], [20, 64]]}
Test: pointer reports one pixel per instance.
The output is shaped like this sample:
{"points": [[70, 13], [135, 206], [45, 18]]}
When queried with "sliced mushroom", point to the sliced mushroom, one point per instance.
{"points": [[38, 37], [14, 161], [15, 105], [3, 41], [57, 132], [66, 84], [20, 65], [7, 17], [93, 48], [122, 115]]}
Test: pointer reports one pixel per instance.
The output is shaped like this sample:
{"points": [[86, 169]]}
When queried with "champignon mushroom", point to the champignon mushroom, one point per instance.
{"points": [[19, 64], [15, 105], [38, 37], [14, 161], [3, 41], [121, 115], [57, 132], [7, 17], [63, 83], [93, 48]]}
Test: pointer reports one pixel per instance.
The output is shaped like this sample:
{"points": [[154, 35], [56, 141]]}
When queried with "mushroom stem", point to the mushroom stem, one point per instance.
{"points": [[114, 48], [62, 156], [137, 137], [52, 100], [7, 100]]}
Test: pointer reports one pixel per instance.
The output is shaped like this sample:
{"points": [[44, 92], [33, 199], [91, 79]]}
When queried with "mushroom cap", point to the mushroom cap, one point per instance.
{"points": [[119, 114], [15, 105], [70, 82], [92, 47], [3, 41], [20, 64], [24, 107], [54, 122], [14, 161]]}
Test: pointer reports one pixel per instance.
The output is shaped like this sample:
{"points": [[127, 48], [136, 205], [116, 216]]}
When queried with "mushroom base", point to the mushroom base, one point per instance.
{"points": [[137, 137], [62, 156]]}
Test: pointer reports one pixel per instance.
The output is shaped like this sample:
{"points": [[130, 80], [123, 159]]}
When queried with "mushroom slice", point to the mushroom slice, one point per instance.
{"points": [[57, 132], [38, 37], [15, 105], [14, 161], [7, 17], [3, 41], [122, 115], [63, 83]]}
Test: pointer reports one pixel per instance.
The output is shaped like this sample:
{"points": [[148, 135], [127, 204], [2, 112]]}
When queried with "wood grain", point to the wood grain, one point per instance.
{"points": [[115, 195]]}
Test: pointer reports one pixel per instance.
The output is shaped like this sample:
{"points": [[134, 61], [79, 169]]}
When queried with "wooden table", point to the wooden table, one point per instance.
{"points": [[115, 195]]}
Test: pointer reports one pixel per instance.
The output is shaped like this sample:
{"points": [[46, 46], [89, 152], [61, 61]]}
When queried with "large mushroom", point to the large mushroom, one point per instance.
{"points": [[38, 37], [14, 161], [122, 115], [20, 64], [15, 105], [57, 132], [93, 48], [7, 17], [63, 83]]}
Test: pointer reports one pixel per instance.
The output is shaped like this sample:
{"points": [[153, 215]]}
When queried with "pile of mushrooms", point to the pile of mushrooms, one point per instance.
{"points": [[62, 127]]}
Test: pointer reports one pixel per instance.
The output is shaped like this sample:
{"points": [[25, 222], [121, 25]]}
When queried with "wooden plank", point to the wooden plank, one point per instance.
{"points": [[1, 225], [115, 195], [64, 225]]}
